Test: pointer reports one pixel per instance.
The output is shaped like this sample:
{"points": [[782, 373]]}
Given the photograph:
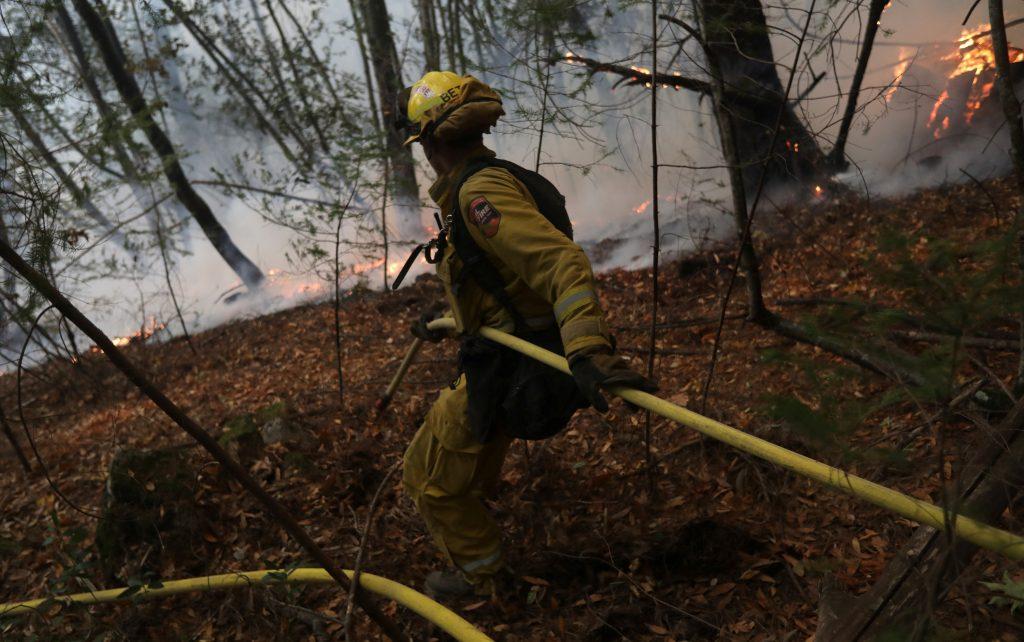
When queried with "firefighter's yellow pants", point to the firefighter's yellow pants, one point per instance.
{"points": [[448, 473]]}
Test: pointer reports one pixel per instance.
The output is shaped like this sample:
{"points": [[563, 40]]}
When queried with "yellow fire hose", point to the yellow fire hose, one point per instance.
{"points": [[982, 535], [978, 533], [427, 608]]}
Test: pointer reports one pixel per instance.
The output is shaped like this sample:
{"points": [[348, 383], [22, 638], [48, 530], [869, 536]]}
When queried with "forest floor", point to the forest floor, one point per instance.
{"points": [[708, 544]]}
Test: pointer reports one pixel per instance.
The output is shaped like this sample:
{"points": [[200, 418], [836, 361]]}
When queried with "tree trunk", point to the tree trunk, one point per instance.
{"points": [[1004, 85], [109, 121], [1011, 110], [360, 26], [731, 153], [737, 34], [837, 157], [388, 75], [18, 452], [925, 568], [431, 39], [445, 9], [130, 92], [740, 176], [456, 35]]}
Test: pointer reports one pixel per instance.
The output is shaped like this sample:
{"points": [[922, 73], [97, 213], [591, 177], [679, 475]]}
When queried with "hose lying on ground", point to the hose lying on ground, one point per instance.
{"points": [[983, 535], [978, 533], [427, 608]]}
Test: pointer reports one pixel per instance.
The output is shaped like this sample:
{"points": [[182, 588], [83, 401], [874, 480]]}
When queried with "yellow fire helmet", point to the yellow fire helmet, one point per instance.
{"points": [[448, 106]]}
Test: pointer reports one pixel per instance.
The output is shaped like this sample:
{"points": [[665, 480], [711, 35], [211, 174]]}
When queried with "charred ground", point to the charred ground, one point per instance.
{"points": [[711, 545]]}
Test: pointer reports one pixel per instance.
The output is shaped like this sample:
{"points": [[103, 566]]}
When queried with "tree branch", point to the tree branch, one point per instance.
{"points": [[635, 75]]}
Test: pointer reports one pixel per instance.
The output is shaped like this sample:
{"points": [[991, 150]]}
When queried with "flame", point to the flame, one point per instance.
{"points": [[361, 268], [943, 97], [148, 329], [668, 198], [906, 57], [393, 266], [974, 56]]}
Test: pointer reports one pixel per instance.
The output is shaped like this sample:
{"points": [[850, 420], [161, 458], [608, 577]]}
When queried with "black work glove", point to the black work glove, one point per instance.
{"points": [[420, 329], [603, 370]]}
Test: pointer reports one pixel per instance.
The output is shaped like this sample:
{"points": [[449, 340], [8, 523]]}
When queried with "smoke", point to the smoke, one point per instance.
{"points": [[601, 161]]}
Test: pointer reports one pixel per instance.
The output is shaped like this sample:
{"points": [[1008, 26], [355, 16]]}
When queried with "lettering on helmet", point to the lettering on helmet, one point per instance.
{"points": [[449, 95], [484, 216]]}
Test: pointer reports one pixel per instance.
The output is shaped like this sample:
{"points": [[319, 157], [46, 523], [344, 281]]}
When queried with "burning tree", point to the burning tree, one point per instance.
{"points": [[958, 82], [969, 96]]}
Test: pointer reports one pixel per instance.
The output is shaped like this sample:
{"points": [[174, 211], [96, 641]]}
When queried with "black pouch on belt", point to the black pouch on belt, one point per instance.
{"points": [[540, 400], [528, 399], [484, 364]]}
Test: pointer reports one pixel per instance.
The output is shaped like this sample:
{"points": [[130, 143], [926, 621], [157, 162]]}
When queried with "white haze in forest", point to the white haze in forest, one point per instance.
{"points": [[606, 202]]}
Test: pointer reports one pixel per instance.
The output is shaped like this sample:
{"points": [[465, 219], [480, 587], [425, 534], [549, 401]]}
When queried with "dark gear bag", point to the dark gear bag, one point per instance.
{"points": [[526, 398]]}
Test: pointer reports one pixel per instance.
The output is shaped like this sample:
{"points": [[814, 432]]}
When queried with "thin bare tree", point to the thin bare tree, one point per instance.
{"points": [[836, 158], [131, 94], [1012, 111], [387, 71]]}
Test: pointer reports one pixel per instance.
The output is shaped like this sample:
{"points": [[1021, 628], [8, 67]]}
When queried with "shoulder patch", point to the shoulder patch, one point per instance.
{"points": [[484, 216]]}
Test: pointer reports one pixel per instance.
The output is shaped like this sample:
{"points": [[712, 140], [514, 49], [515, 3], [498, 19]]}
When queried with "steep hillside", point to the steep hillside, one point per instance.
{"points": [[709, 544]]}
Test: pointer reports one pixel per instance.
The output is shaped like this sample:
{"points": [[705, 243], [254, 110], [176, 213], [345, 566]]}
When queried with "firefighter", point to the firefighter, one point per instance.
{"points": [[507, 261]]}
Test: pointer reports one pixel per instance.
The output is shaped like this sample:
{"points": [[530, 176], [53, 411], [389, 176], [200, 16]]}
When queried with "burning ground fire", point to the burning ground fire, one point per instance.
{"points": [[290, 286], [148, 329], [280, 285]]}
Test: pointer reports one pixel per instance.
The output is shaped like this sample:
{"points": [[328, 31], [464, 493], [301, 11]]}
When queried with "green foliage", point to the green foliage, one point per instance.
{"points": [[76, 560], [948, 288], [238, 429], [960, 286], [1012, 592]]}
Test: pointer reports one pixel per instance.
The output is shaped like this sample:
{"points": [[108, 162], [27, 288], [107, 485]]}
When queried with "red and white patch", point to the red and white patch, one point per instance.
{"points": [[484, 216]]}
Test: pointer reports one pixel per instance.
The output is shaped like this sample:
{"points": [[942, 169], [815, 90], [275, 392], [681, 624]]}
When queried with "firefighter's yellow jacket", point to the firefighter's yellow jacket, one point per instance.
{"points": [[447, 471], [548, 277]]}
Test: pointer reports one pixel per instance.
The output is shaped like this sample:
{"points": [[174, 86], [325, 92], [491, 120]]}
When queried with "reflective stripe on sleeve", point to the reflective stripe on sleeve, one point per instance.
{"points": [[573, 300]]}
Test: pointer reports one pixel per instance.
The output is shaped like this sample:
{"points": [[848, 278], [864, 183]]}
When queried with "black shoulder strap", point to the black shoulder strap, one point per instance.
{"points": [[549, 200]]}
